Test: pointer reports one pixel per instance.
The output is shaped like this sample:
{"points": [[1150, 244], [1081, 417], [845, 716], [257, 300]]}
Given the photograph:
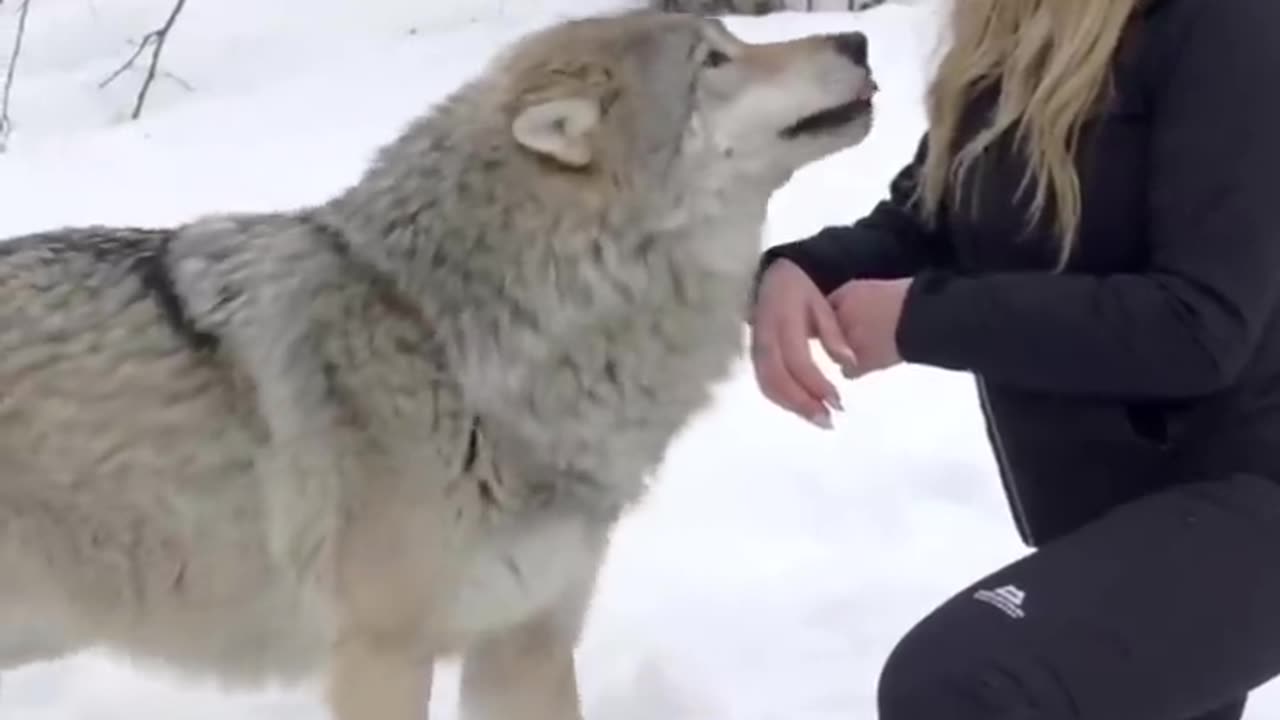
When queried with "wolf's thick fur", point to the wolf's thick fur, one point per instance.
{"points": [[400, 424]]}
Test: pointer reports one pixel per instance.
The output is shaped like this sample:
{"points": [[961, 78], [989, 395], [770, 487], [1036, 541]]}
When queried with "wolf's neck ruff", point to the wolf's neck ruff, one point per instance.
{"points": [[335, 241], [554, 270]]}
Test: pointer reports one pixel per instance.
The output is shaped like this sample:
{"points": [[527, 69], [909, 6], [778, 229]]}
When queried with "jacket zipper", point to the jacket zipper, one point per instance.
{"points": [[1006, 468]]}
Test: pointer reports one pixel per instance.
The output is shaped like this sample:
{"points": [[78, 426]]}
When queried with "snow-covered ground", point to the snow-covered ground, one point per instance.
{"points": [[775, 564]]}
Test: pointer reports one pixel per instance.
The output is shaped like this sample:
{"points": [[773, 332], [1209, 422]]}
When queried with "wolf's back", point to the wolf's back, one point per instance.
{"points": [[65, 293], [94, 360]]}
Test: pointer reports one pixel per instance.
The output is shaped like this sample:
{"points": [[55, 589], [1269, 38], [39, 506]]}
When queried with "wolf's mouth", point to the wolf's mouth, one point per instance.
{"points": [[830, 119]]}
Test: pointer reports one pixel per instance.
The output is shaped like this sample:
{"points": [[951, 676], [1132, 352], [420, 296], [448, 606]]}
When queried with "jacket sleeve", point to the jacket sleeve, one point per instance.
{"points": [[1188, 324], [890, 242]]}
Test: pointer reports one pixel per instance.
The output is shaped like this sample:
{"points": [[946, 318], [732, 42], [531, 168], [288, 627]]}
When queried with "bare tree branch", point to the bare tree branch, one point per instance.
{"points": [[6, 123], [137, 53], [155, 57], [155, 40], [181, 83]]}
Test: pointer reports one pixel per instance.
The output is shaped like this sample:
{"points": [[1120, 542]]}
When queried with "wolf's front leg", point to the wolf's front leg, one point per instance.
{"points": [[382, 659], [527, 672], [379, 679]]}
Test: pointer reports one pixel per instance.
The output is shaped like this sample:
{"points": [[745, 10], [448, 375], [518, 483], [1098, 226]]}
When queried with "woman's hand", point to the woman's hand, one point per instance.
{"points": [[789, 311], [868, 312]]}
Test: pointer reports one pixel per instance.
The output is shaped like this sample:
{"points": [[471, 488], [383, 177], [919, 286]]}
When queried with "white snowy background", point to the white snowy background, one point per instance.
{"points": [[774, 566]]}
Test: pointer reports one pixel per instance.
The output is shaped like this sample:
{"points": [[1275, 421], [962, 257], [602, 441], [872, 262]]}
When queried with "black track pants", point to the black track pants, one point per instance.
{"points": [[1165, 609]]}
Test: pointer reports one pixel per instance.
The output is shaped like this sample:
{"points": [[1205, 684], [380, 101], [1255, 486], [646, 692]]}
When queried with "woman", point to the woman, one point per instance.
{"points": [[1091, 227]]}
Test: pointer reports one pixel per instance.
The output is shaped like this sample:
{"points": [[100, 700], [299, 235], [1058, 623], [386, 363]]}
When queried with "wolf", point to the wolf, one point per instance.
{"points": [[348, 440]]}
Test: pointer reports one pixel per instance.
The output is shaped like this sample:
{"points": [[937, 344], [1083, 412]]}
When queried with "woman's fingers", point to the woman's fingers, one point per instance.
{"points": [[793, 344], [827, 327], [777, 381], [790, 311]]}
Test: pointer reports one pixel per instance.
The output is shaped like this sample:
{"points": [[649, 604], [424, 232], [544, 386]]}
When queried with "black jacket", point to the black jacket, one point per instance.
{"points": [[1154, 358]]}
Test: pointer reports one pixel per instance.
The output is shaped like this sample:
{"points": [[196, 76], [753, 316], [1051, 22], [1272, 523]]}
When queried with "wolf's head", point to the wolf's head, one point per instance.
{"points": [[601, 179], [582, 142], [632, 90]]}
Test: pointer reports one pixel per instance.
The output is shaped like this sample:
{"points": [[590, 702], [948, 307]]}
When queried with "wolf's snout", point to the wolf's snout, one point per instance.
{"points": [[852, 45]]}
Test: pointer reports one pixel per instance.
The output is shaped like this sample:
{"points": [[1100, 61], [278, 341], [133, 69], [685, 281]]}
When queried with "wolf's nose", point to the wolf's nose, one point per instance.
{"points": [[852, 45]]}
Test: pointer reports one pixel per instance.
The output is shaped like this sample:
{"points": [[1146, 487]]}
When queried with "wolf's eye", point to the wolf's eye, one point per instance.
{"points": [[715, 58]]}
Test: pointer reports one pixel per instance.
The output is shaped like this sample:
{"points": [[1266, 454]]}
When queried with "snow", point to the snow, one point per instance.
{"points": [[775, 564]]}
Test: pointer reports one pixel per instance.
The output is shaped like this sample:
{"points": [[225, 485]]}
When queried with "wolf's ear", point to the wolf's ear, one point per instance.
{"points": [[559, 129]]}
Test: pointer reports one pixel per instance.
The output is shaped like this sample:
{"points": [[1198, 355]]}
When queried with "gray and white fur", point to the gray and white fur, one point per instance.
{"points": [[349, 440]]}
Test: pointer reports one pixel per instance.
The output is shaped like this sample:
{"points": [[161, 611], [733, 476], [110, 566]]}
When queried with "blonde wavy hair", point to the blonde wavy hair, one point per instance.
{"points": [[1052, 60]]}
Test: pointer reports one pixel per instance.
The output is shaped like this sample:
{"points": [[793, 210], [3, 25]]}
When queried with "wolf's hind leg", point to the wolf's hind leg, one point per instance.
{"points": [[22, 645], [26, 644], [30, 628]]}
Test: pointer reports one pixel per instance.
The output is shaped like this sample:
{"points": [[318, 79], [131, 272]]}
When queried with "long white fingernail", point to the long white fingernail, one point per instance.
{"points": [[822, 420]]}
